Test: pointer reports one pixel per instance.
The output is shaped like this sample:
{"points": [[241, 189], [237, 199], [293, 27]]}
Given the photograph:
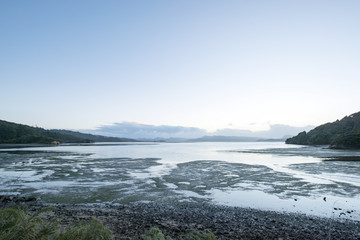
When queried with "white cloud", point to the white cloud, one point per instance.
{"points": [[136, 130]]}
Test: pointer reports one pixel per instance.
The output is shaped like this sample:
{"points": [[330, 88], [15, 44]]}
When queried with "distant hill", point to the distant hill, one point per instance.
{"points": [[230, 139], [341, 134], [13, 133], [20, 134], [93, 138]]}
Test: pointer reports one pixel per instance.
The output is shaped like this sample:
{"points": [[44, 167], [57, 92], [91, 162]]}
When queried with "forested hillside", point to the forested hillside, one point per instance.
{"points": [[19, 133], [344, 133], [94, 138], [13, 133]]}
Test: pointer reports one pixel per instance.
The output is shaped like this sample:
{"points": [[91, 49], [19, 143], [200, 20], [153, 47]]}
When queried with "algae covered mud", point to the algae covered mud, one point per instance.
{"points": [[268, 176]]}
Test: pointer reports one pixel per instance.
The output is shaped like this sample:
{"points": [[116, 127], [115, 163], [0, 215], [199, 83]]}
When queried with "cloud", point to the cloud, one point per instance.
{"points": [[280, 130], [275, 131], [141, 131], [135, 130]]}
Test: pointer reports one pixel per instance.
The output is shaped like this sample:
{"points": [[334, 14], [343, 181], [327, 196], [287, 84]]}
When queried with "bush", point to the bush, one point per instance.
{"points": [[200, 235], [154, 234], [95, 230], [16, 223]]}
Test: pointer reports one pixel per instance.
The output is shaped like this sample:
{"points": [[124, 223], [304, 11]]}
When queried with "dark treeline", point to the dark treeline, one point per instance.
{"points": [[93, 138], [13, 133], [341, 134]]}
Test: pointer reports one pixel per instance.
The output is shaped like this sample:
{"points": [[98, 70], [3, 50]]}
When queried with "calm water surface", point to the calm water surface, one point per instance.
{"points": [[271, 176]]}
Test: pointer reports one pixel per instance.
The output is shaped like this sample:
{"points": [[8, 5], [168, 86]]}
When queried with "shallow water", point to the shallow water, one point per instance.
{"points": [[271, 176]]}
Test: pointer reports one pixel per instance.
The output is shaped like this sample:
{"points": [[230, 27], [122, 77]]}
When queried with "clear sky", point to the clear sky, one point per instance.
{"points": [[203, 63]]}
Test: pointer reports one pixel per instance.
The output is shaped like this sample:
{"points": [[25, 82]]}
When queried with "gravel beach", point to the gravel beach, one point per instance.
{"points": [[131, 220]]}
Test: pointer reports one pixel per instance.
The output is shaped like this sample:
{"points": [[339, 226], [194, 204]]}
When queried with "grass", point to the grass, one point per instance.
{"points": [[19, 224], [93, 230], [200, 235], [16, 223], [156, 234]]}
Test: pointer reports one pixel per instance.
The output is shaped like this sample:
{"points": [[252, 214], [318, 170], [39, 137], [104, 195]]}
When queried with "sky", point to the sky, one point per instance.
{"points": [[204, 64]]}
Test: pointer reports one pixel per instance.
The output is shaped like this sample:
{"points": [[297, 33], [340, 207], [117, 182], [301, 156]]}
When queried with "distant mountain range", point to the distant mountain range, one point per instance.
{"points": [[232, 139], [341, 134], [180, 133], [13, 133]]}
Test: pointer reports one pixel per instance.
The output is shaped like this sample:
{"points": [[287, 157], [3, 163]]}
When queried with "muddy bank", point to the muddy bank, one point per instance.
{"points": [[131, 220]]}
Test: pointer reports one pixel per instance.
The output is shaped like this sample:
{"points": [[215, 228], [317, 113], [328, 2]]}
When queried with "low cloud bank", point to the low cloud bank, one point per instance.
{"points": [[135, 130], [144, 131], [275, 131]]}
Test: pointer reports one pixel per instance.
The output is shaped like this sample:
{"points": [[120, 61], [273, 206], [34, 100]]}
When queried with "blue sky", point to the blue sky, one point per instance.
{"points": [[205, 64]]}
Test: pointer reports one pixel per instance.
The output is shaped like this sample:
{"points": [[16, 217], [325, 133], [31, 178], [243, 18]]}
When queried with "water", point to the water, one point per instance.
{"points": [[270, 176]]}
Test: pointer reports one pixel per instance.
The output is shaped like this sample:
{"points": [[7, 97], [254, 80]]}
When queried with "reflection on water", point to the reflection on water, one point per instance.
{"points": [[271, 176]]}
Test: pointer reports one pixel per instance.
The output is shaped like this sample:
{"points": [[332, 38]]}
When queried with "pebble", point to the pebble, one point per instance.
{"points": [[132, 220]]}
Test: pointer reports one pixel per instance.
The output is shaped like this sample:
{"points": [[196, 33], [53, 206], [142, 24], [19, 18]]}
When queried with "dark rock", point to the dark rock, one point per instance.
{"points": [[30, 199], [130, 221]]}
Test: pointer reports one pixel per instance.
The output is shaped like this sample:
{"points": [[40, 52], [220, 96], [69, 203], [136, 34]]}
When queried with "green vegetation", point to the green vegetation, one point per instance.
{"points": [[13, 133], [18, 224], [339, 134], [18, 133], [93, 230], [200, 235], [94, 138], [156, 234], [348, 140]]}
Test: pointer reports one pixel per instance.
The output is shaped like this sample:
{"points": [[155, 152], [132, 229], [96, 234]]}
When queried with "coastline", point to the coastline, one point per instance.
{"points": [[23, 145], [131, 220], [10, 146]]}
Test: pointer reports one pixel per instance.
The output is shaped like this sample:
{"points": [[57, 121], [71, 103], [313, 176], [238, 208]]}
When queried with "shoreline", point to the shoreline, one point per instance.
{"points": [[5, 146], [131, 220], [23, 145]]}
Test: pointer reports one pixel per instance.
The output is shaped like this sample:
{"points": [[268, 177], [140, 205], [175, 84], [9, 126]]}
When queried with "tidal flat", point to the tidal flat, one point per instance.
{"points": [[312, 182]]}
